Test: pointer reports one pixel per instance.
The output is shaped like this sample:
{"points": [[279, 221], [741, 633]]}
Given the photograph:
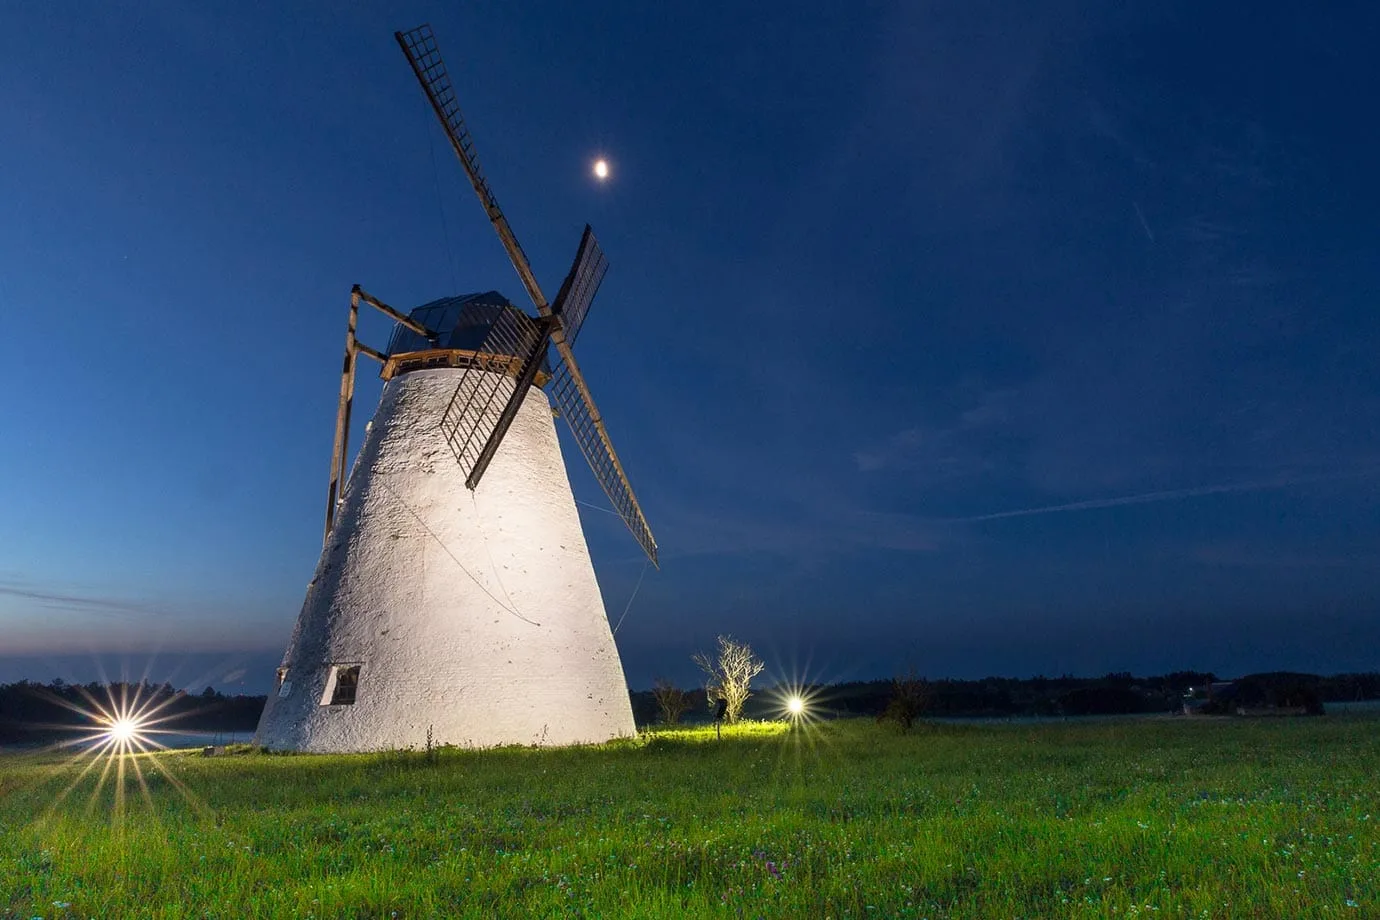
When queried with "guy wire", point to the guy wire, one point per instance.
{"points": [[443, 546], [646, 565], [488, 550]]}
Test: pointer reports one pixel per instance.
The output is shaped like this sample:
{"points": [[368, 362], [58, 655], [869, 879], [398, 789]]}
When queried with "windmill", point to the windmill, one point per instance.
{"points": [[454, 600]]}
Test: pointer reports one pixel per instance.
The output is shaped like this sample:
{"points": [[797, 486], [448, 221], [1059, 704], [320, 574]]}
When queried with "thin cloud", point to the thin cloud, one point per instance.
{"points": [[1238, 555], [62, 600], [936, 452], [956, 450]]}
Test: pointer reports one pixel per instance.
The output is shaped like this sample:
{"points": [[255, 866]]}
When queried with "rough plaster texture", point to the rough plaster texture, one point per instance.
{"points": [[474, 614]]}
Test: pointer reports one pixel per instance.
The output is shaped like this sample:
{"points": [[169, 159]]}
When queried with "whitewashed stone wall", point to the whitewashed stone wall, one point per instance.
{"points": [[474, 614]]}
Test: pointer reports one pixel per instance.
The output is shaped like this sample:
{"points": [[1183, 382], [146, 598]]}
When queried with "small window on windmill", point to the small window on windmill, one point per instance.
{"points": [[341, 685], [284, 685]]}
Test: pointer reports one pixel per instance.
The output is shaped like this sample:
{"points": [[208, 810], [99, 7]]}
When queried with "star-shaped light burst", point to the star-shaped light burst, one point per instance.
{"points": [[123, 733], [795, 704], [124, 726], [801, 709]]}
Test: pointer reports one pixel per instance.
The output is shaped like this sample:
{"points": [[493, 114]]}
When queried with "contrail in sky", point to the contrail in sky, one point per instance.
{"points": [[1144, 225], [1144, 498]]}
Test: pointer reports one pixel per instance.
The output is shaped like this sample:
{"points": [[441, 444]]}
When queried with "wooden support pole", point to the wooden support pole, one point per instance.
{"points": [[342, 415]]}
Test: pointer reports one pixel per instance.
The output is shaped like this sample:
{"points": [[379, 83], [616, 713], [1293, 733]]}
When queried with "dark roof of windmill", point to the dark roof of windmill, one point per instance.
{"points": [[460, 322], [441, 305]]}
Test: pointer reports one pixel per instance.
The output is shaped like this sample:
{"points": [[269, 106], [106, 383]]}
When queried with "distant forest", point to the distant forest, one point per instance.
{"points": [[1008, 697], [31, 712]]}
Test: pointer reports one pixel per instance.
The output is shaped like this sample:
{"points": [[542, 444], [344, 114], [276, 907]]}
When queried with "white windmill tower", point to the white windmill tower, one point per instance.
{"points": [[444, 607]]}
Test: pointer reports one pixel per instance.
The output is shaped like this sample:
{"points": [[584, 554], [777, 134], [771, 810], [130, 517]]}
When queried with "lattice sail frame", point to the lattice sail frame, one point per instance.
{"points": [[491, 390], [569, 390], [602, 461], [580, 285]]}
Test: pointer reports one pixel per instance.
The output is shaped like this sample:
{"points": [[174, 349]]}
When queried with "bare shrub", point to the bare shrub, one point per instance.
{"points": [[729, 674], [671, 700], [910, 697]]}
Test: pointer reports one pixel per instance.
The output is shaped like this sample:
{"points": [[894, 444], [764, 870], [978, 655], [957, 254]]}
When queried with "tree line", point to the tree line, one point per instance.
{"points": [[32, 712], [910, 696]]}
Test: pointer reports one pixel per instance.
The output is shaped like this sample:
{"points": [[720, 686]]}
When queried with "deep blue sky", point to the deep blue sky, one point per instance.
{"points": [[996, 338]]}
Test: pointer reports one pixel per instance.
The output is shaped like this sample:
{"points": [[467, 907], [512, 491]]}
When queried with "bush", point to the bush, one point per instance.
{"points": [[910, 697], [671, 700]]}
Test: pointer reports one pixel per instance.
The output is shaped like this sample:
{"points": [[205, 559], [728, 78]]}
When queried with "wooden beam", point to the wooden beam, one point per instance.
{"points": [[382, 307], [378, 356]]}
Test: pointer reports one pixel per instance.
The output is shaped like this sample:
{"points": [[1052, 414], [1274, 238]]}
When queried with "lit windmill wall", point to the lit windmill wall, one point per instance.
{"points": [[473, 614]]}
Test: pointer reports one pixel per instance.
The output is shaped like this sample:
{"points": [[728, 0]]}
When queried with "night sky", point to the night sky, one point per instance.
{"points": [[985, 338]]}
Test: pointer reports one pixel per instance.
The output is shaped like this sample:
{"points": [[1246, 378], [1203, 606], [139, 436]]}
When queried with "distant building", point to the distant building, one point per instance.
{"points": [[1214, 698], [1280, 693]]}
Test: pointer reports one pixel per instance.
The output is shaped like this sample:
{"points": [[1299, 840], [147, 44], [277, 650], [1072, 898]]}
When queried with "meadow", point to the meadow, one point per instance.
{"points": [[1136, 818]]}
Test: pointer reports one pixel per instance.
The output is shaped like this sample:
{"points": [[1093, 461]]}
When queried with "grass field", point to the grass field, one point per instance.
{"points": [[1178, 818]]}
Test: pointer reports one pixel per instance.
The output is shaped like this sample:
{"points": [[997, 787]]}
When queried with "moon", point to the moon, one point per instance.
{"points": [[601, 169]]}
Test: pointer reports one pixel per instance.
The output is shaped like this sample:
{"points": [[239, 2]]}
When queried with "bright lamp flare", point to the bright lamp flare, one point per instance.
{"points": [[123, 730], [119, 742], [795, 705], [601, 169]]}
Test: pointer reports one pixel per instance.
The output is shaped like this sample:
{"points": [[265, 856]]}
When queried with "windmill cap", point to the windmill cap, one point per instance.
{"points": [[459, 322]]}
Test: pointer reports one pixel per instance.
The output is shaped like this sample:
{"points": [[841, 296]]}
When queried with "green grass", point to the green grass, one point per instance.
{"points": [[1178, 818]]}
